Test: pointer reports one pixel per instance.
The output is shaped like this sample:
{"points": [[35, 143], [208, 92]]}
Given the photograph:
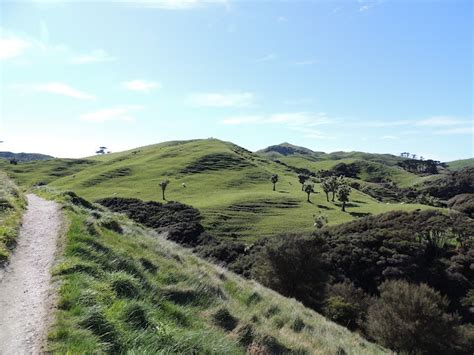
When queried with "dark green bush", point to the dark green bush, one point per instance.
{"points": [[413, 319]]}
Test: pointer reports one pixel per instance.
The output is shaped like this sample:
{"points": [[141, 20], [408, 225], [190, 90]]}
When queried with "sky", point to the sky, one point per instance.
{"points": [[382, 76]]}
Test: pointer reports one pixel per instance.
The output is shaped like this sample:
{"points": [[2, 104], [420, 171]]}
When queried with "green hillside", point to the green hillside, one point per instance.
{"points": [[459, 164], [123, 289], [228, 184]]}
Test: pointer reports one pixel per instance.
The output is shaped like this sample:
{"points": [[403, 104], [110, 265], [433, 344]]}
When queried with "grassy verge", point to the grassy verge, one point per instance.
{"points": [[125, 289], [12, 204]]}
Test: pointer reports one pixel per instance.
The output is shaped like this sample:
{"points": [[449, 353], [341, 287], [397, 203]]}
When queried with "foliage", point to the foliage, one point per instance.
{"points": [[463, 203], [293, 266], [413, 319], [343, 192], [309, 189], [274, 180]]}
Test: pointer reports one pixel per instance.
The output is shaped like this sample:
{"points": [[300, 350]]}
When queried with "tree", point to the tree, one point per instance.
{"points": [[302, 179], [326, 187], [13, 161], [309, 188], [101, 150], [333, 185], [163, 186], [274, 180], [412, 319], [293, 266], [343, 193]]}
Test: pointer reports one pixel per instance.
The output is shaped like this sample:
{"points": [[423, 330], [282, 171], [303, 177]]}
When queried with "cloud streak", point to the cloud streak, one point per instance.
{"points": [[122, 113], [11, 47], [215, 99], [174, 4], [58, 89], [96, 56], [141, 85]]}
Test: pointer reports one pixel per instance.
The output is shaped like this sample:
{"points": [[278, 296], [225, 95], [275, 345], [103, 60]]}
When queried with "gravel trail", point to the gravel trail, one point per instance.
{"points": [[25, 284]]}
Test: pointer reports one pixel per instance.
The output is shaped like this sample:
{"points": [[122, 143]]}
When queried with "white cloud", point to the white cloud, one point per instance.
{"points": [[282, 19], [440, 121], [307, 119], [122, 113], [364, 8], [458, 130], [174, 4], [58, 89], [141, 85], [267, 58], [11, 47], [389, 137], [213, 99], [96, 56]]}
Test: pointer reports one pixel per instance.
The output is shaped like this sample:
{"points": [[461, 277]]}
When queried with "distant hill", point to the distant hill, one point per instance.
{"points": [[24, 157], [459, 164], [227, 183]]}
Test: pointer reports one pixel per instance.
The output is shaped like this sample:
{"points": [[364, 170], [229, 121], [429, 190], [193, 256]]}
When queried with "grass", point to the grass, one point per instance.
{"points": [[12, 204], [459, 164], [136, 292], [229, 185]]}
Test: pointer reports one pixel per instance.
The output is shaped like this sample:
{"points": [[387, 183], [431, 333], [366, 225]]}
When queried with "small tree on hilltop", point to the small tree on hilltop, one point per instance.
{"points": [[274, 180], [343, 193], [302, 179], [309, 189], [163, 186], [326, 187]]}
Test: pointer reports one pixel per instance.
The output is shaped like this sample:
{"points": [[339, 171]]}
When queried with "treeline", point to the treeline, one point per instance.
{"points": [[402, 279]]}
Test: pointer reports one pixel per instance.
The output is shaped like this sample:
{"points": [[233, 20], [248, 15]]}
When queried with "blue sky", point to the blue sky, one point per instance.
{"points": [[377, 76]]}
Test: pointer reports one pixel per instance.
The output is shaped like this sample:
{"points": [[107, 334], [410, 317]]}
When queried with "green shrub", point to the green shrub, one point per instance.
{"points": [[412, 319]]}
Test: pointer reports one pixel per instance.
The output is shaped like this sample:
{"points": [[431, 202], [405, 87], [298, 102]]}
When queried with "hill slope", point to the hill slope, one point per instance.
{"points": [[24, 157], [125, 289], [228, 184]]}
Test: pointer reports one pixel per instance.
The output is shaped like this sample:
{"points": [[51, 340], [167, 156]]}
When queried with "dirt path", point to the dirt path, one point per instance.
{"points": [[25, 288]]}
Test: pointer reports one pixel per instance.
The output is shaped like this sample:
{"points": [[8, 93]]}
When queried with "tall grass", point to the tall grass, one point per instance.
{"points": [[12, 204]]}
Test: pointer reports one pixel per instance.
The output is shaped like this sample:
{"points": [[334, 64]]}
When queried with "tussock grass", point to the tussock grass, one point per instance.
{"points": [[12, 205], [136, 292]]}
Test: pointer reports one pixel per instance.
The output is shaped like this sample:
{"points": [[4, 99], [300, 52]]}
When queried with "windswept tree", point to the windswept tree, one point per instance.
{"points": [[333, 182], [302, 179], [274, 180], [102, 150], [326, 187], [343, 193], [309, 189], [163, 186]]}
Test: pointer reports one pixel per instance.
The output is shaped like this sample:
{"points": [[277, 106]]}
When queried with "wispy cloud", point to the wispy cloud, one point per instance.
{"points": [[141, 85], [282, 19], [457, 130], [440, 121], [121, 113], [174, 4], [309, 119], [389, 137], [11, 47], [267, 58], [215, 99], [96, 56], [56, 88]]}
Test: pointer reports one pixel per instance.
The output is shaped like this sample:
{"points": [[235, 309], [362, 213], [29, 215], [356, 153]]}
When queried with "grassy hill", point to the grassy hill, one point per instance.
{"points": [[11, 209], [228, 184], [24, 157], [459, 164], [126, 289]]}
